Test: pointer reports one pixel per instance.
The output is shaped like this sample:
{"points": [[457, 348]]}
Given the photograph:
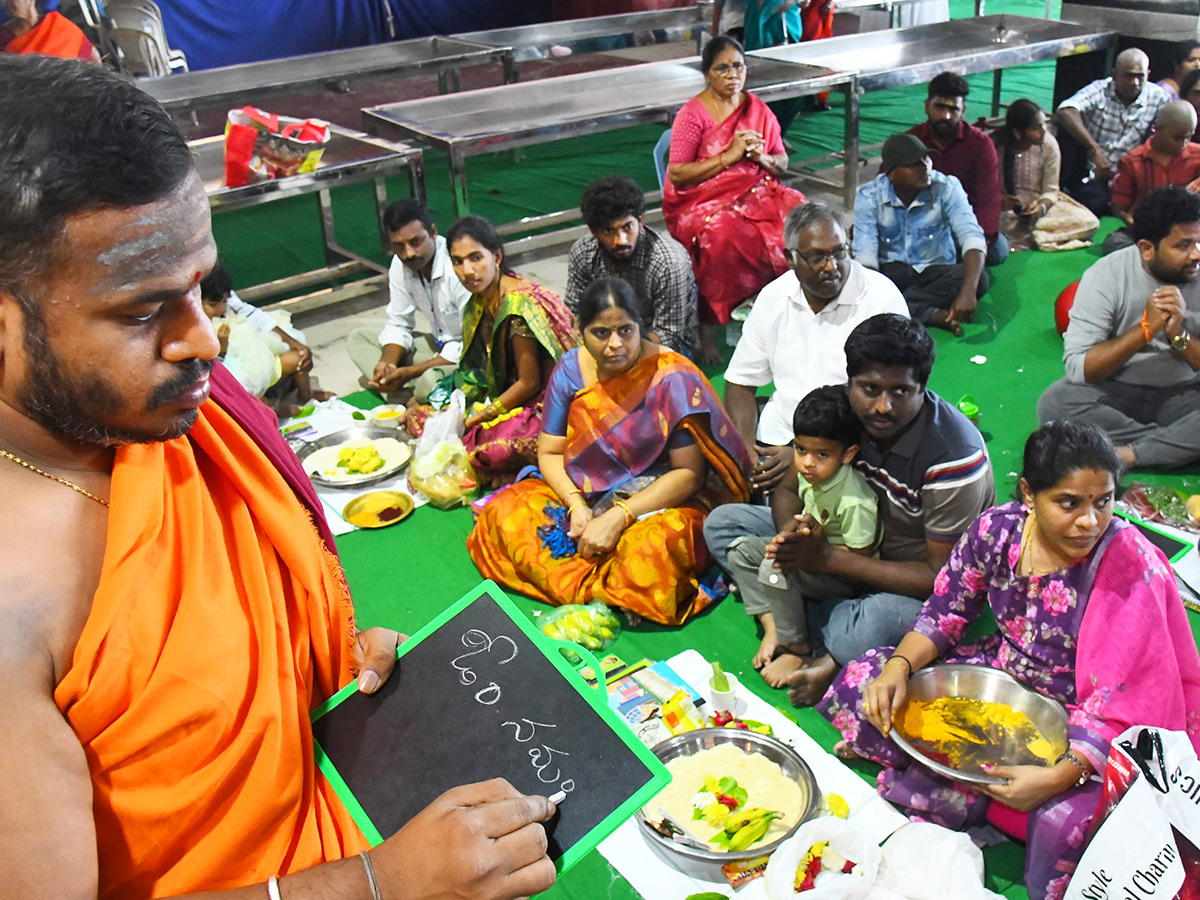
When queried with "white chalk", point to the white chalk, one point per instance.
{"points": [[558, 797]]}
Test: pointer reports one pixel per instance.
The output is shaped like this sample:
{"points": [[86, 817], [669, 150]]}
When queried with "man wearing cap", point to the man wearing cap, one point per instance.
{"points": [[910, 223]]}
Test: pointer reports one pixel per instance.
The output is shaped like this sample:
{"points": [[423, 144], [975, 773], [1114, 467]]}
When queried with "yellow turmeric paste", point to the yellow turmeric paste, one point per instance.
{"points": [[959, 731]]}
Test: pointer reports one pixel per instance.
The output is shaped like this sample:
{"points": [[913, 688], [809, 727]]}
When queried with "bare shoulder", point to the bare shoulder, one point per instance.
{"points": [[49, 566]]}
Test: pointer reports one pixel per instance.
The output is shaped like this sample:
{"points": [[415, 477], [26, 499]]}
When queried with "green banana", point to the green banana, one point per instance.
{"points": [[739, 819], [751, 833]]}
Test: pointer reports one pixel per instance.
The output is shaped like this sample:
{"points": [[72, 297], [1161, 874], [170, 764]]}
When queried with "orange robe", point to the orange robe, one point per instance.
{"points": [[54, 35], [220, 621]]}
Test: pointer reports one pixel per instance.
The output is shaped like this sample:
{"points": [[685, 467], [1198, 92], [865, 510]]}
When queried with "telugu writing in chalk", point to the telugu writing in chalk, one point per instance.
{"points": [[542, 757]]}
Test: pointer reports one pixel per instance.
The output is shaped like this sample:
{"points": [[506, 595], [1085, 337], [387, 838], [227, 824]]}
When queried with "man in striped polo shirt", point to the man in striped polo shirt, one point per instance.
{"points": [[930, 469]]}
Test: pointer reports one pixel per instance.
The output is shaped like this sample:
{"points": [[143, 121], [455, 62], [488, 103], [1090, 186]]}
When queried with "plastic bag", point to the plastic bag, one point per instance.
{"points": [[846, 840], [594, 625], [1150, 807], [260, 146], [440, 469], [924, 861]]}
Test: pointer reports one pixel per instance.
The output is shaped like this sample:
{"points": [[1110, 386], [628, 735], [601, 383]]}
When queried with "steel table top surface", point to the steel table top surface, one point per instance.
{"points": [[531, 112], [904, 56], [349, 157], [250, 82]]}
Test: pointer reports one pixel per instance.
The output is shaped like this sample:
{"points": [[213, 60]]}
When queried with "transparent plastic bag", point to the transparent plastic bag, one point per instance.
{"points": [[846, 840], [440, 469], [593, 625]]}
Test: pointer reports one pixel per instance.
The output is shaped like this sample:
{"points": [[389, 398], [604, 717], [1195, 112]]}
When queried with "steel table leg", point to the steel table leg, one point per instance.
{"points": [[416, 177], [996, 76], [458, 183], [381, 202], [850, 144]]}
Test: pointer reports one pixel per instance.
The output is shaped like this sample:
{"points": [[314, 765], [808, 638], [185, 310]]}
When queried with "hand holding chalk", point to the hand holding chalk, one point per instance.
{"points": [[463, 825]]}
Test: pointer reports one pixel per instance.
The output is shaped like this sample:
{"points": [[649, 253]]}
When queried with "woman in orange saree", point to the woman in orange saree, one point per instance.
{"points": [[635, 448], [28, 30], [722, 198]]}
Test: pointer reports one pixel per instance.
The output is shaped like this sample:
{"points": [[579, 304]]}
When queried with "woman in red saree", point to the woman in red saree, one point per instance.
{"points": [[635, 449], [723, 199], [514, 331], [28, 30]]}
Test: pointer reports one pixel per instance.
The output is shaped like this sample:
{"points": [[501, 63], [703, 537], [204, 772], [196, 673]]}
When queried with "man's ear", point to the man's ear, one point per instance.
{"points": [[1148, 250], [433, 230], [849, 454]]}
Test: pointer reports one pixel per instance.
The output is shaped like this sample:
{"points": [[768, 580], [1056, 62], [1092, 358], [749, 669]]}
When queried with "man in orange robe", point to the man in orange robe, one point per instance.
{"points": [[28, 30], [172, 608]]}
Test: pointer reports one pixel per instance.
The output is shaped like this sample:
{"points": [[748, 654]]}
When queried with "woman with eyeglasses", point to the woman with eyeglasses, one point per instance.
{"points": [[635, 449], [723, 199]]}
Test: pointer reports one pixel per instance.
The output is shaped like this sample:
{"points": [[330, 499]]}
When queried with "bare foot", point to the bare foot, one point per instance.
{"points": [[709, 354], [321, 396], [809, 684], [942, 320], [766, 651], [843, 750], [779, 670]]}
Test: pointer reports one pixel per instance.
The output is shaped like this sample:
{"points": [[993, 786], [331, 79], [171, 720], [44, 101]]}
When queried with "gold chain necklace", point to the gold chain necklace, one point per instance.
{"points": [[1025, 557], [72, 485]]}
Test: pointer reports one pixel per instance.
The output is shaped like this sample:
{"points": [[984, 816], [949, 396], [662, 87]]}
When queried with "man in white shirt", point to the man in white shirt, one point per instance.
{"points": [[795, 333], [400, 362]]}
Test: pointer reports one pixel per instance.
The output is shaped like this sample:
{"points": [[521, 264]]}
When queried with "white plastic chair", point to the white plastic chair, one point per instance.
{"points": [[152, 56]]}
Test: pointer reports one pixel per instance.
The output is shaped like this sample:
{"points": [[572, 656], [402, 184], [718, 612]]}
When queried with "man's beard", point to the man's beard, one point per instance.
{"points": [[78, 409], [1167, 276]]}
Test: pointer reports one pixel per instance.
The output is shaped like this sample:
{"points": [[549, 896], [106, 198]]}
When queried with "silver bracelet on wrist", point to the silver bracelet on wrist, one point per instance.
{"points": [[1084, 774], [366, 858]]}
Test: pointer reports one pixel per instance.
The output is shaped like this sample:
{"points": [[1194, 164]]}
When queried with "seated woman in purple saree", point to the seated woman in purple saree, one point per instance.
{"points": [[1088, 614]]}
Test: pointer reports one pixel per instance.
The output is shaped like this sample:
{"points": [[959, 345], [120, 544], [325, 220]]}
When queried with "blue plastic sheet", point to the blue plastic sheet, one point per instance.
{"points": [[225, 32]]}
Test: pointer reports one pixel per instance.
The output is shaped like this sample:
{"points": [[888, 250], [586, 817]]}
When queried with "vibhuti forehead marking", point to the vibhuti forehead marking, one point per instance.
{"points": [[138, 258]]}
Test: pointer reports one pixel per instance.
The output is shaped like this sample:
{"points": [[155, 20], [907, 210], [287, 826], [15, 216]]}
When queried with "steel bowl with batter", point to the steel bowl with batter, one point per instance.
{"points": [[707, 863]]}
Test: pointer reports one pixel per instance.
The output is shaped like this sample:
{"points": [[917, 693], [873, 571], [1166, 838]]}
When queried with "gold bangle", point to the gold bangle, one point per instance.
{"points": [[569, 493], [571, 507], [630, 518]]}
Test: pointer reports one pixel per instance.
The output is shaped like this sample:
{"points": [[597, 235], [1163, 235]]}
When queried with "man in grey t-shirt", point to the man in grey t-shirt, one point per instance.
{"points": [[1130, 357]]}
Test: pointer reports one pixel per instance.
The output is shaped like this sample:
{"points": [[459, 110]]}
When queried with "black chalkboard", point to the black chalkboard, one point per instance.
{"points": [[478, 694]]}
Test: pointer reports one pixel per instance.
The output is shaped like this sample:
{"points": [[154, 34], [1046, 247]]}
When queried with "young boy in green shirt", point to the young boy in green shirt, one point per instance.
{"points": [[831, 493]]}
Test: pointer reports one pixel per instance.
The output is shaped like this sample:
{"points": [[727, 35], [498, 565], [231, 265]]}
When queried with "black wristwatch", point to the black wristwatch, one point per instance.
{"points": [[1180, 341]]}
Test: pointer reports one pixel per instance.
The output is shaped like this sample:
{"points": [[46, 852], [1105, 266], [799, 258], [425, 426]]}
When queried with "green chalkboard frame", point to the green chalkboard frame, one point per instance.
{"points": [[660, 777]]}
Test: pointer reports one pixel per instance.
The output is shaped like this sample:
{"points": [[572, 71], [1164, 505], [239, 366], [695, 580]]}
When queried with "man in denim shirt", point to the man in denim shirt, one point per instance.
{"points": [[910, 223]]}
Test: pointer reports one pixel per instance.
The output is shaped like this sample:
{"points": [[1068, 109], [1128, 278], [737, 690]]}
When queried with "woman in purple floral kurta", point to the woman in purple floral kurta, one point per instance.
{"points": [[1044, 642]]}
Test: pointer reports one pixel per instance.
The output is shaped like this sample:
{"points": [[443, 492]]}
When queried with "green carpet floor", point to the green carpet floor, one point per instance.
{"points": [[402, 577]]}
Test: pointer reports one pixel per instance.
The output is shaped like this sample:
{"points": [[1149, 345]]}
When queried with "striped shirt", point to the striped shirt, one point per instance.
{"points": [[1117, 127], [932, 483]]}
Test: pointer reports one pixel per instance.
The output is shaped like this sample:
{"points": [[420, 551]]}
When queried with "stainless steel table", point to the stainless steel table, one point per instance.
{"points": [[530, 42], [254, 82], [1161, 20], [536, 112], [350, 157], [904, 56]]}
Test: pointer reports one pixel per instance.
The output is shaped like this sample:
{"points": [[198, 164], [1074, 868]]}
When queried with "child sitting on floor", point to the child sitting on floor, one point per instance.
{"points": [[259, 348], [834, 496]]}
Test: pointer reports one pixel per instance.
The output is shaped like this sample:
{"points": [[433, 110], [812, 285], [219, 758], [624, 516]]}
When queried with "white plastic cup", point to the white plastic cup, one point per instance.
{"points": [[724, 701]]}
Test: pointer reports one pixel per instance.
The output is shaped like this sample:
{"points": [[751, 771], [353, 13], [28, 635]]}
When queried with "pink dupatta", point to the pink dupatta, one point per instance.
{"points": [[1137, 662]]}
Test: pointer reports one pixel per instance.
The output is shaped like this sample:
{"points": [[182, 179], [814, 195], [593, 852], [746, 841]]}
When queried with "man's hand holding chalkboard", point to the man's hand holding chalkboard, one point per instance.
{"points": [[375, 653], [481, 841]]}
